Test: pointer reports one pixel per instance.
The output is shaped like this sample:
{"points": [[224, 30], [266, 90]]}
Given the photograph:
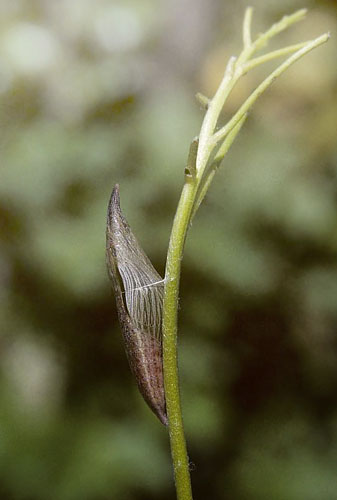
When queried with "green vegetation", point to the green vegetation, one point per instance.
{"points": [[84, 106]]}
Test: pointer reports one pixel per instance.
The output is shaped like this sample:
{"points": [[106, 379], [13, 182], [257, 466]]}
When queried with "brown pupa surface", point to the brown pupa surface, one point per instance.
{"points": [[138, 290]]}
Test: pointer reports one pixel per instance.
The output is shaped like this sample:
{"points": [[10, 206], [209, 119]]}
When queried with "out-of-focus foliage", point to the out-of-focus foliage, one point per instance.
{"points": [[94, 93]]}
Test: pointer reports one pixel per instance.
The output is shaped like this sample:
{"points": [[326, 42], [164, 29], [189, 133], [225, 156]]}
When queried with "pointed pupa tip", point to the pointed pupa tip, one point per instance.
{"points": [[115, 195], [114, 206]]}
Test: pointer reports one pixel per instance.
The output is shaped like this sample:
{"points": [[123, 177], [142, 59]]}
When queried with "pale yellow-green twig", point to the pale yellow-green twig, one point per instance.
{"points": [[265, 84], [257, 61], [247, 39]]}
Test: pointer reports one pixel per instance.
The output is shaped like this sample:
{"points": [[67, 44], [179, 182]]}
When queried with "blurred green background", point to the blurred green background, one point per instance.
{"points": [[98, 92]]}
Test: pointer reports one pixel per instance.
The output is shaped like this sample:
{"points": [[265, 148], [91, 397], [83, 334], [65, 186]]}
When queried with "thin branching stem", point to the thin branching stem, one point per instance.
{"points": [[204, 159], [246, 34], [257, 61], [211, 116], [265, 84]]}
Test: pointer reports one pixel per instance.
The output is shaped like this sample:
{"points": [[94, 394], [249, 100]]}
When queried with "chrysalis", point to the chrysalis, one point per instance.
{"points": [[139, 297]]}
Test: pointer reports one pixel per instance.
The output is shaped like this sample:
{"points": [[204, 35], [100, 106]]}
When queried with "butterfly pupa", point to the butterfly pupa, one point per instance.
{"points": [[138, 290]]}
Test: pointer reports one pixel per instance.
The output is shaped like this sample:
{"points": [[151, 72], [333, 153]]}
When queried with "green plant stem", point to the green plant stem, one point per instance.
{"points": [[203, 161], [257, 61], [266, 83], [247, 38], [170, 320]]}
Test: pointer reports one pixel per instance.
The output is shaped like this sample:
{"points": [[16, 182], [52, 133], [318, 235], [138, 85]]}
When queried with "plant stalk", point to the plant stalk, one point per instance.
{"points": [[198, 176], [170, 327]]}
